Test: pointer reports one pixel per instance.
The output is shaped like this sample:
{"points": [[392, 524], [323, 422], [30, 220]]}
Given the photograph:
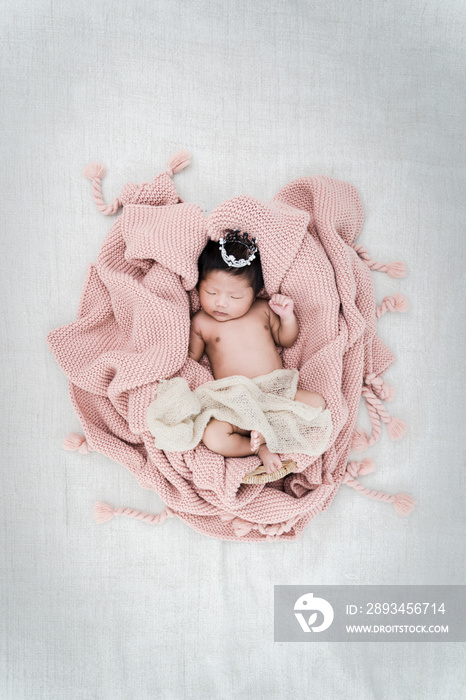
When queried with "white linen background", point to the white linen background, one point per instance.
{"points": [[259, 93]]}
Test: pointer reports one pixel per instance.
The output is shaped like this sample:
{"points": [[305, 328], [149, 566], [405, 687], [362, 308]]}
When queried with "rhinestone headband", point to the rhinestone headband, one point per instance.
{"points": [[235, 237]]}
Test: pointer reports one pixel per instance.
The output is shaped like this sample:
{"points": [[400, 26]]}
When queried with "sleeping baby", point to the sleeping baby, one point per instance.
{"points": [[239, 334], [253, 406]]}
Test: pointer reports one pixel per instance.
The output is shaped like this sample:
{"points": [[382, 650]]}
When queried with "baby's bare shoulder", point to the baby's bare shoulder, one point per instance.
{"points": [[198, 321], [261, 305]]}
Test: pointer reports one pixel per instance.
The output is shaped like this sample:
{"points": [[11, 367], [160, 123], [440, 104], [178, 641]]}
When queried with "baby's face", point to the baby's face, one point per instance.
{"points": [[224, 296]]}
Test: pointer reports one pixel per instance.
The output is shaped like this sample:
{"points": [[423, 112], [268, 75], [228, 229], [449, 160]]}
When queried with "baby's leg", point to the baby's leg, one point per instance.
{"points": [[230, 441], [226, 439], [270, 460], [310, 398]]}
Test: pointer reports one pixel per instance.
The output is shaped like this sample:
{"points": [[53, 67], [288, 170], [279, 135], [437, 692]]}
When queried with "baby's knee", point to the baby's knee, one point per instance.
{"points": [[215, 433], [310, 398]]}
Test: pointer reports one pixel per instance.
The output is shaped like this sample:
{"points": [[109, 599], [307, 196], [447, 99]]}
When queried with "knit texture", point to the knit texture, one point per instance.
{"points": [[132, 331], [178, 416]]}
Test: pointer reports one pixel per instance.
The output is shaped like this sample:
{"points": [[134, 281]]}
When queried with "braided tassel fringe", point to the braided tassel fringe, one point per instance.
{"points": [[104, 512], [180, 160], [380, 387], [402, 502], [74, 442], [393, 269], [396, 427], [242, 527], [96, 172], [396, 303], [375, 390]]}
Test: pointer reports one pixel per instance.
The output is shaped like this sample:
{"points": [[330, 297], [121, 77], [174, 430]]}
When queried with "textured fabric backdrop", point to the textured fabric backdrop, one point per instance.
{"points": [[259, 93]]}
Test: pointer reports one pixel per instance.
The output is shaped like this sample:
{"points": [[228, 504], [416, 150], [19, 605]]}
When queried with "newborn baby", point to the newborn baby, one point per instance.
{"points": [[240, 334]]}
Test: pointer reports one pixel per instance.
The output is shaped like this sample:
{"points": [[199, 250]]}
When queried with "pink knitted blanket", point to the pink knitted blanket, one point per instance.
{"points": [[132, 330]]}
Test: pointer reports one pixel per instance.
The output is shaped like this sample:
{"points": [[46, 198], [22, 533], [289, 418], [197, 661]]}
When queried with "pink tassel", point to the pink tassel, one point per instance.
{"points": [[180, 160], [396, 269], [360, 441], [75, 442], [395, 303], [396, 428], [404, 503], [366, 466], [93, 170], [353, 469], [103, 512], [391, 393], [227, 517], [241, 527], [401, 302], [380, 388], [384, 392], [273, 529]]}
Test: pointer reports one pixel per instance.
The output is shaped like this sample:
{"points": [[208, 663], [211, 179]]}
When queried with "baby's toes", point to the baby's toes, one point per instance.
{"points": [[256, 439]]}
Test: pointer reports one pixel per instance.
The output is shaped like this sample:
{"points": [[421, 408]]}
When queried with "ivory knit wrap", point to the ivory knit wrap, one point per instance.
{"points": [[178, 416]]}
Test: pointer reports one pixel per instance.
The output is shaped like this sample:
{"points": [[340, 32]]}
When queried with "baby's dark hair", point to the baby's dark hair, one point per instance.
{"points": [[211, 259]]}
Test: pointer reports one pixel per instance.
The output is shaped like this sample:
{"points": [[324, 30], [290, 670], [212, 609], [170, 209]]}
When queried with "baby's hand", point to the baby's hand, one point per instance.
{"points": [[282, 305]]}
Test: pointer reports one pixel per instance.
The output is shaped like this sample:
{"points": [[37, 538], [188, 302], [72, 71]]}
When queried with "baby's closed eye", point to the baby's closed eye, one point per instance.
{"points": [[213, 294]]}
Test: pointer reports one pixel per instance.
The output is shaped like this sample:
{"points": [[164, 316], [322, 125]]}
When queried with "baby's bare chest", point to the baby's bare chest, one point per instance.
{"points": [[230, 336], [241, 346]]}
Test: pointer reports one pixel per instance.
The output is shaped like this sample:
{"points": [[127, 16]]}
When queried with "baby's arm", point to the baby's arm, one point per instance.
{"points": [[196, 342], [283, 322]]}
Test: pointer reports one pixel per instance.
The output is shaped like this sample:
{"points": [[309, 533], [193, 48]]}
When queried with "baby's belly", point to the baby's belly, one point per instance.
{"points": [[252, 366]]}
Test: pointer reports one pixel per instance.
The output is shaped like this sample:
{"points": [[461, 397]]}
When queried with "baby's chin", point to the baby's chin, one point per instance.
{"points": [[220, 318], [226, 317]]}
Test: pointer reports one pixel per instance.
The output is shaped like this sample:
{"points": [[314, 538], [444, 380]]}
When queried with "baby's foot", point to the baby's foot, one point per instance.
{"points": [[270, 460], [257, 439]]}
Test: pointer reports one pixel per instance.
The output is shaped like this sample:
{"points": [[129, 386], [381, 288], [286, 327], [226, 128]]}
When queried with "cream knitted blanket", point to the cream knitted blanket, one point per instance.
{"points": [[132, 332], [178, 416]]}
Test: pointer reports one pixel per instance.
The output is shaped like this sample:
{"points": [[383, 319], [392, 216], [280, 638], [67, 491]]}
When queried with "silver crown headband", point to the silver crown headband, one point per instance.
{"points": [[234, 237]]}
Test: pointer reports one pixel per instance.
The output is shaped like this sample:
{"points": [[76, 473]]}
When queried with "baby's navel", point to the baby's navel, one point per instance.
{"points": [[217, 339], [266, 328]]}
